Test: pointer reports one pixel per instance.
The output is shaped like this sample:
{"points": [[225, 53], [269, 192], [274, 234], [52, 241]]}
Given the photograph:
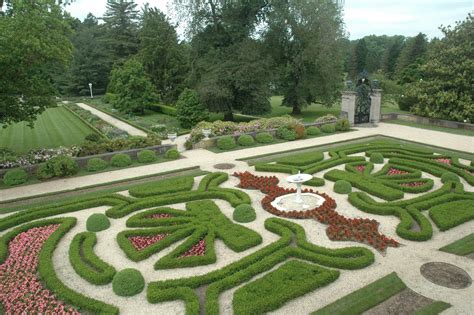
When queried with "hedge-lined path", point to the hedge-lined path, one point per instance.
{"points": [[113, 121], [206, 159]]}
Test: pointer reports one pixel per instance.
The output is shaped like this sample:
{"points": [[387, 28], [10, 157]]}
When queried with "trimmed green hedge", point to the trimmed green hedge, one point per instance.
{"points": [[226, 143], [376, 158], [15, 177], [451, 214], [246, 140], [264, 137], [172, 154], [128, 282], [164, 109], [342, 187], [96, 164], [328, 128], [166, 186], [462, 247], [448, 176], [86, 263], [97, 222], [313, 131], [120, 160], [273, 290], [244, 214], [146, 156], [301, 159]]}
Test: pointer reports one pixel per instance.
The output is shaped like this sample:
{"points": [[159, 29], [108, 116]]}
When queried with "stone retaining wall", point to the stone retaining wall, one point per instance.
{"points": [[428, 121]]}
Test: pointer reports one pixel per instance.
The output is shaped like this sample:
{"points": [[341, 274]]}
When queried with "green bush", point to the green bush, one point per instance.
{"points": [[328, 128], [128, 282], [342, 187], [146, 156], [264, 137], [189, 109], [109, 98], [448, 176], [97, 222], [96, 164], [286, 134], [92, 137], [172, 154], [245, 140], [226, 143], [325, 118], [343, 125], [313, 131], [121, 160], [376, 158], [406, 102], [244, 214], [451, 214], [15, 177], [58, 166]]}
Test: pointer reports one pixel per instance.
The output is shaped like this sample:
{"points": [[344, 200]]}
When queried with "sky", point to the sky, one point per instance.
{"points": [[361, 17]]}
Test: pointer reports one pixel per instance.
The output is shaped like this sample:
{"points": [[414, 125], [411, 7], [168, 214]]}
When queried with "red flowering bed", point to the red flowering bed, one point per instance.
{"points": [[413, 184], [159, 216], [340, 227], [394, 171], [360, 168], [21, 292], [141, 242], [197, 249], [444, 161]]}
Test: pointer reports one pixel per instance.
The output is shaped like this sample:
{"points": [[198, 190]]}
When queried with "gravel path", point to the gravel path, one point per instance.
{"points": [[113, 121]]}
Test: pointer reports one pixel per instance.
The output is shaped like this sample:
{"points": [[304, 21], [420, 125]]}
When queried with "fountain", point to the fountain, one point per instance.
{"points": [[298, 201]]}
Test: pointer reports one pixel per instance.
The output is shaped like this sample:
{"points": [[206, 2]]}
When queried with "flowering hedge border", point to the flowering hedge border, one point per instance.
{"points": [[256, 263], [86, 263], [46, 268]]}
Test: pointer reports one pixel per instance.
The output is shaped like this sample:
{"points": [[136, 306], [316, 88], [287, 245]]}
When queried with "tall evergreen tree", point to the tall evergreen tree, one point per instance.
{"points": [[305, 40], [359, 58], [121, 29], [391, 54], [414, 48], [164, 58]]}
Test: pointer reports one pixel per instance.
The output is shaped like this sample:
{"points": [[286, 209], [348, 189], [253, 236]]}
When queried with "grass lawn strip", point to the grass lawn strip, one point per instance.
{"points": [[462, 247]]}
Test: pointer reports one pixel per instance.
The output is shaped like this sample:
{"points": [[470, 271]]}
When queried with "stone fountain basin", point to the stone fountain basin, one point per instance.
{"points": [[287, 202]]}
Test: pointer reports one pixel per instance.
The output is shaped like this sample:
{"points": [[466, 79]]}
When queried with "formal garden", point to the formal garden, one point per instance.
{"points": [[232, 157]]}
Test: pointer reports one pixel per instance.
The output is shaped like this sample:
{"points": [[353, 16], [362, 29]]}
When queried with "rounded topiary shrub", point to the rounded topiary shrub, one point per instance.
{"points": [[96, 164], [97, 222], [120, 160], [343, 125], [313, 131], [128, 282], [328, 128], [172, 154], [342, 187], [244, 213], [245, 140], [376, 158], [286, 134], [449, 177], [15, 177], [226, 143], [264, 137], [93, 137], [45, 171], [146, 156], [58, 166]]}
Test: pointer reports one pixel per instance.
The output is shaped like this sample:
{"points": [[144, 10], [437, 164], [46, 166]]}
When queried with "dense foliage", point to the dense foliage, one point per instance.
{"points": [[189, 109]]}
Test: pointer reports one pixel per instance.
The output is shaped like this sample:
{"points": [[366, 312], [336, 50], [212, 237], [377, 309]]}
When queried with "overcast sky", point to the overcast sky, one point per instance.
{"points": [[362, 17]]}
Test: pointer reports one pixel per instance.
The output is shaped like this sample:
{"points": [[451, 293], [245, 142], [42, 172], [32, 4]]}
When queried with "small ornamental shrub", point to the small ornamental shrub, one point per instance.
{"points": [[45, 171], [121, 160], [245, 140], [128, 282], [96, 164], [58, 166], [286, 134], [93, 137], [326, 118], [188, 145], [449, 177], [264, 137], [97, 222], [376, 158], [189, 109], [328, 128], [244, 213], [300, 130], [343, 125], [313, 131], [226, 143], [15, 177], [146, 156], [342, 187], [172, 154]]}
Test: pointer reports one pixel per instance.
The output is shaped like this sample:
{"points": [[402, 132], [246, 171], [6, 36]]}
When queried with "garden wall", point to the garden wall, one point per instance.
{"points": [[212, 142], [428, 121], [82, 161]]}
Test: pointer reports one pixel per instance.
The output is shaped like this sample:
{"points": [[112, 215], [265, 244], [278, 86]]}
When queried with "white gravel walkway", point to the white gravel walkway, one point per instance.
{"points": [[113, 121]]}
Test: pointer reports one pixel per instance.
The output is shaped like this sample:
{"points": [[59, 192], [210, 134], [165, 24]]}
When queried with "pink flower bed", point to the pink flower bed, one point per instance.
{"points": [[159, 216], [444, 161], [141, 242], [197, 249], [21, 292], [360, 168], [394, 171], [413, 184]]}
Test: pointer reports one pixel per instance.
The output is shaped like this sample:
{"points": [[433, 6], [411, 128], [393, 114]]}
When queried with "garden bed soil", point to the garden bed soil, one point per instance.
{"points": [[446, 275], [405, 302]]}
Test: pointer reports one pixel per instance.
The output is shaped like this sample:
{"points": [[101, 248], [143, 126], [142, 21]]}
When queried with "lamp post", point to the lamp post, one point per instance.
{"points": [[90, 88]]}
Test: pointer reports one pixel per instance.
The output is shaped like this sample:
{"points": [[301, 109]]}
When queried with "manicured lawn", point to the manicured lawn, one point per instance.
{"points": [[429, 127], [462, 247], [53, 128]]}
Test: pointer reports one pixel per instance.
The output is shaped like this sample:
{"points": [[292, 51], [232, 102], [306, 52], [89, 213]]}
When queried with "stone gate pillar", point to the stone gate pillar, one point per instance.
{"points": [[376, 101], [348, 105]]}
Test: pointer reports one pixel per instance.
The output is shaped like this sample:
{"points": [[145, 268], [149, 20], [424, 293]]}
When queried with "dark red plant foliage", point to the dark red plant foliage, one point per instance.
{"points": [[444, 161], [360, 168], [141, 242], [159, 216], [21, 292], [198, 249], [394, 171], [339, 228], [412, 184]]}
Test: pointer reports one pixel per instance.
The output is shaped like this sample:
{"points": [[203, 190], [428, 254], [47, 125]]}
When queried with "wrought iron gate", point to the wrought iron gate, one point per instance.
{"points": [[363, 102]]}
